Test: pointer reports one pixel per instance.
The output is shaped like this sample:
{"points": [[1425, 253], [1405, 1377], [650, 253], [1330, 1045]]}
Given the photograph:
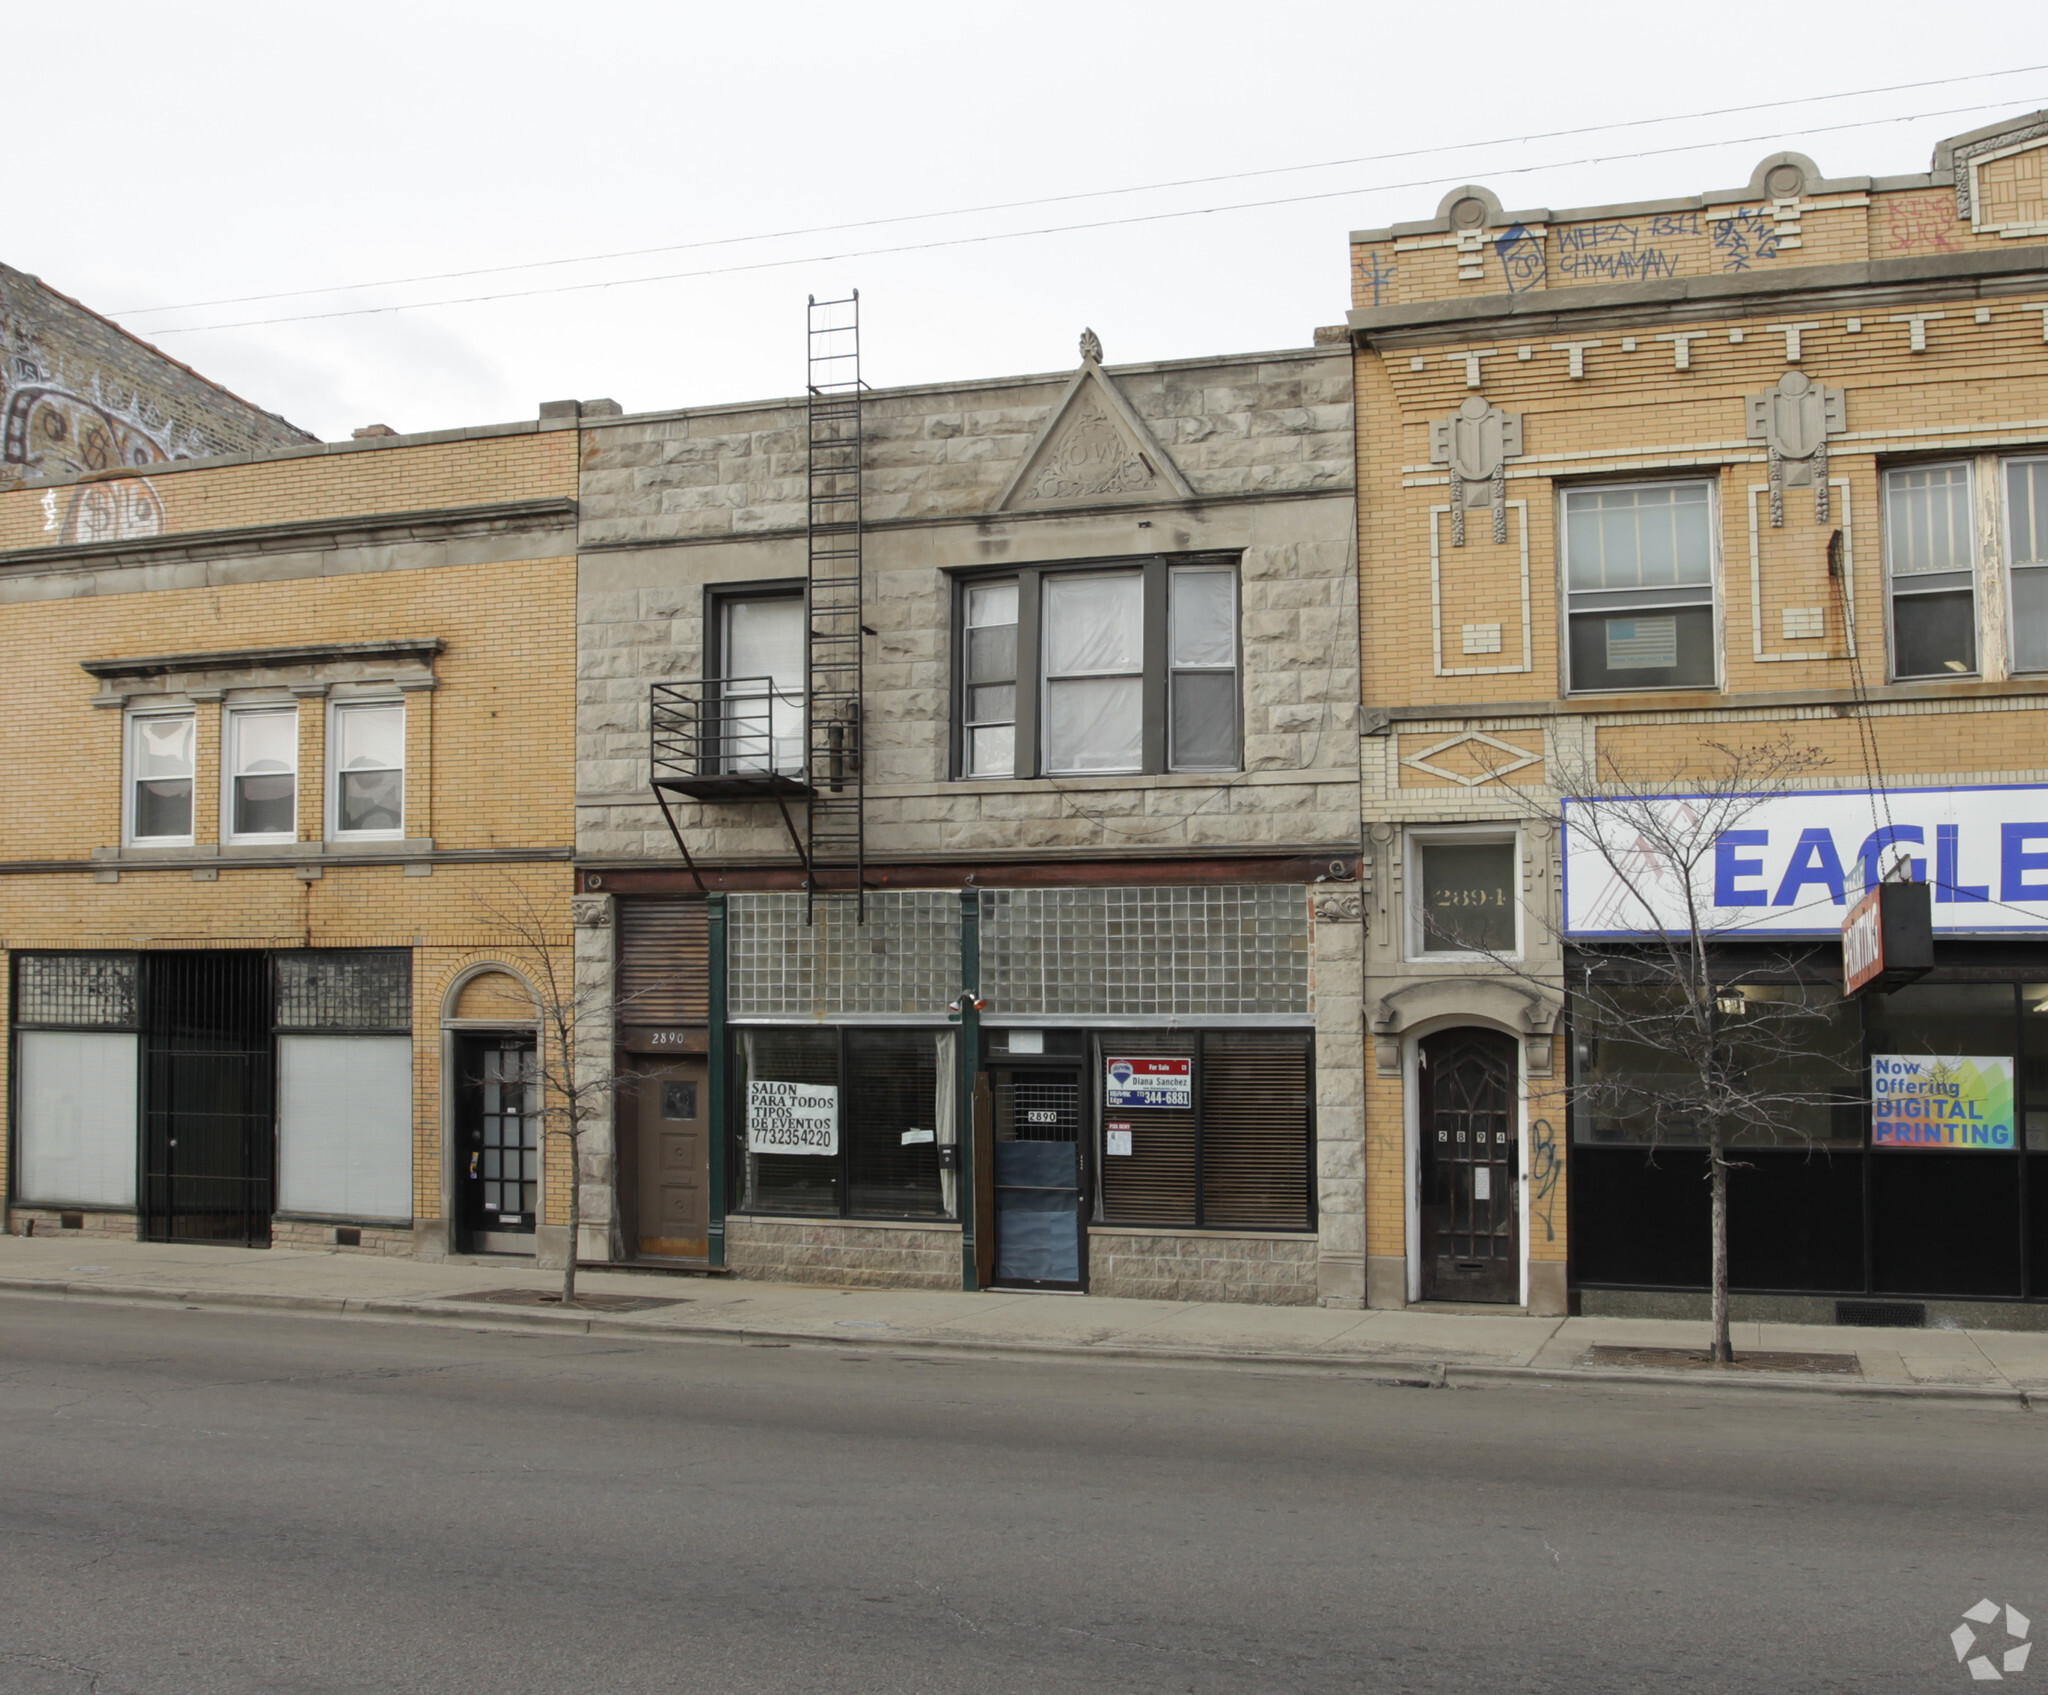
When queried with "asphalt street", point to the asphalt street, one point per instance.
{"points": [[229, 1503]]}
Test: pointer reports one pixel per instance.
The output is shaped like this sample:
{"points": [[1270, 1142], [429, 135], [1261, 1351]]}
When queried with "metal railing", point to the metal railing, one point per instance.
{"points": [[727, 727]]}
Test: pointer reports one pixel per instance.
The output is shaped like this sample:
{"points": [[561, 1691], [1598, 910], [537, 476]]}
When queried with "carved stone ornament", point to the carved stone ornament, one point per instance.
{"points": [[1476, 442], [1091, 347], [591, 912], [1340, 906], [1794, 421], [1093, 447]]}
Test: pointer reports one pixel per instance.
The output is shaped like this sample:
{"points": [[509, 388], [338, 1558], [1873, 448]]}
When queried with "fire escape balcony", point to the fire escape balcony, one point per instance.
{"points": [[728, 739]]}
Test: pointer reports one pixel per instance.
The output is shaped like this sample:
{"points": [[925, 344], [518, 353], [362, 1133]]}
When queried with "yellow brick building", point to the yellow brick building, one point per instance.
{"points": [[1640, 479], [285, 755]]}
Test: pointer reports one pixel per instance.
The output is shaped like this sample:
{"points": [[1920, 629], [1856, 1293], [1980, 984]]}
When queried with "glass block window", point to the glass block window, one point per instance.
{"points": [[344, 989], [1147, 951], [904, 959], [87, 991]]}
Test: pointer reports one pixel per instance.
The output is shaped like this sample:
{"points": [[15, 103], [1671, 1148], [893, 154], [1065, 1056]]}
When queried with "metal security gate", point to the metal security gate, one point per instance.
{"points": [[208, 1148], [1471, 1238], [1038, 1177], [497, 1182]]}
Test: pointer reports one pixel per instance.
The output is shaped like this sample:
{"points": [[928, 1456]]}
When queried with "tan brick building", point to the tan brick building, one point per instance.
{"points": [[1635, 479], [278, 752]]}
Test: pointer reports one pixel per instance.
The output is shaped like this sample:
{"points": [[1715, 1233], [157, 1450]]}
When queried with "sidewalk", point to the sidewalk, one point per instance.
{"points": [[2000, 1367]]}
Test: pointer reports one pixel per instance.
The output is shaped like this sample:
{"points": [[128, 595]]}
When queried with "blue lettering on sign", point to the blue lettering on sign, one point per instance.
{"points": [[1815, 861], [1727, 867], [1947, 886], [1878, 840], [2015, 862]]}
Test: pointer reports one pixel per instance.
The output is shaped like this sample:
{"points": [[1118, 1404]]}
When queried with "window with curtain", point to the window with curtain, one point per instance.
{"points": [[263, 766], [1639, 580], [762, 664], [1930, 558], [368, 763], [160, 770], [1129, 668]]}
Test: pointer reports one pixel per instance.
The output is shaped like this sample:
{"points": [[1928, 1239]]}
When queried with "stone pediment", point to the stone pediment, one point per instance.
{"points": [[1093, 448]]}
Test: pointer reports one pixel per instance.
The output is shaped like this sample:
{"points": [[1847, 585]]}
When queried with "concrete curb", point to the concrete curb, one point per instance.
{"points": [[1417, 1374]]}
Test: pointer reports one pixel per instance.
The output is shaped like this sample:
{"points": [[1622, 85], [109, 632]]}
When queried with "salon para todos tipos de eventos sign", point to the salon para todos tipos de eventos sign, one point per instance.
{"points": [[1793, 864]]}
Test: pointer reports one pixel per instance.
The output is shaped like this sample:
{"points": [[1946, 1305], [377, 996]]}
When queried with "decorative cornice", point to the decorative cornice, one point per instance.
{"points": [[366, 530], [420, 651]]}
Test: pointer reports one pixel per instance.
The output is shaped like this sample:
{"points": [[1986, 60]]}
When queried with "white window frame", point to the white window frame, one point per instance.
{"points": [[230, 759], [2006, 562], [1564, 580], [335, 711], [1413, 935], [1975, 570], [129, 721]]}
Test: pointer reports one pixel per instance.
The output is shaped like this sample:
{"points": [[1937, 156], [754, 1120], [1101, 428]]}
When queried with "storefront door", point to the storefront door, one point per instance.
{"points": [[1471, 1240], [671, 1155], [1039, 1175], [497, 1147]]}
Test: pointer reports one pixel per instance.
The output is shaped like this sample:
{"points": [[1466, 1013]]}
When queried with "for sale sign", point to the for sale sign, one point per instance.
{"points": [[1152, 1083], [792, 1118]]}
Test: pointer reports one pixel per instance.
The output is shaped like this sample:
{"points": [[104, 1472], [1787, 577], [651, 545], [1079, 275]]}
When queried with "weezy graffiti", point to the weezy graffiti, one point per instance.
{"points": [[1546, 1171], [1611, 251]]}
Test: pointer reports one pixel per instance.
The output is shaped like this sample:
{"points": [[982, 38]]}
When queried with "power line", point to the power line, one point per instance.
{"points": [[1085, 194], [1050, 229]]}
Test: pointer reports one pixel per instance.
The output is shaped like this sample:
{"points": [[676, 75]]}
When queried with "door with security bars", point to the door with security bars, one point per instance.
{"points": [[497, 1149], [208, 1145], [1470, 1200], [1040, 1176]]}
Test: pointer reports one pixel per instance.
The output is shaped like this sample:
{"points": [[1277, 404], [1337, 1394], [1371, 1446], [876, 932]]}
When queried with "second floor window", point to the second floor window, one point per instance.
{"points": [[263, 762], [160, 768], [368, 761], [1131, 669], [1931, 556], [1639, 586], [2026, 529]]}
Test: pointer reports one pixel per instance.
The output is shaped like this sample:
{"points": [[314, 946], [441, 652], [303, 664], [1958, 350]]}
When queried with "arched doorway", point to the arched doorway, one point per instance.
{"points": [[1469, 1157]]}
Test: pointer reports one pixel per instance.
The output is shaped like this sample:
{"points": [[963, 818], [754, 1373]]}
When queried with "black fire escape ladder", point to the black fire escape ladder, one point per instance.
{"points": [[832, 608]]}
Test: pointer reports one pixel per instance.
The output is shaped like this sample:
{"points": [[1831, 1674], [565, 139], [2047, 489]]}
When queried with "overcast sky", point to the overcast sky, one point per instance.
{"points": [[169, 155]]}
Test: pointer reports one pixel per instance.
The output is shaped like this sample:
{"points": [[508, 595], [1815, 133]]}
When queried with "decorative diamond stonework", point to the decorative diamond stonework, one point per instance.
{"points": [[1491, 769]]}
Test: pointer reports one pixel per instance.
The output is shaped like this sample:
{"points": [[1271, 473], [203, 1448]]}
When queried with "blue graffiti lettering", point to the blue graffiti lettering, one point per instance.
{"points": [[1624, 266], [1582, 238], [1675, 223], [1743, 237], [1380, 274], [1521, 258]]}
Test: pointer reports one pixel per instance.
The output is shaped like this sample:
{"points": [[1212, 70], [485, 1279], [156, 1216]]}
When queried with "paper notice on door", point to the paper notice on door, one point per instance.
{"points": [[792, 1118], [1482, 1182], [910, 1136], [1116, 1140]]}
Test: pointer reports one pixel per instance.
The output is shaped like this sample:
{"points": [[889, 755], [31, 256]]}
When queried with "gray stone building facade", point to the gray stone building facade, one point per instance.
{"points": [[1098, 1025]]}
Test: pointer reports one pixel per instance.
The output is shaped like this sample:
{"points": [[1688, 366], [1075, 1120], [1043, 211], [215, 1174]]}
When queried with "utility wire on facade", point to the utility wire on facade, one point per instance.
{"points": [[1067, 229]]}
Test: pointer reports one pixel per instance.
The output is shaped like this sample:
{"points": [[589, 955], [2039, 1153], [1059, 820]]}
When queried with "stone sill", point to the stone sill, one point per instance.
{"points": [[263, 853], [1096, 1231], [963, 787], [948, 1226]]}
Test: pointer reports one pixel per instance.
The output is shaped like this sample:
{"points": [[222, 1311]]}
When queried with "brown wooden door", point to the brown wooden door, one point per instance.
{"points": [[1471, 1234], [672, 1168]]}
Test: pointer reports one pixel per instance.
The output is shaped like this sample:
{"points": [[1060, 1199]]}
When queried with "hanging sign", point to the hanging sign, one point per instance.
{"points": [[1948, 1101], [792, 1118], [1149, 1083], [1887, 939]]}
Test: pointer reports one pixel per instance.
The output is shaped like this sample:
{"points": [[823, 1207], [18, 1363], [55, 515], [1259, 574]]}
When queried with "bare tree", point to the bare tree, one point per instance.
{"points": [[572, 1072], [1725, 1052]]}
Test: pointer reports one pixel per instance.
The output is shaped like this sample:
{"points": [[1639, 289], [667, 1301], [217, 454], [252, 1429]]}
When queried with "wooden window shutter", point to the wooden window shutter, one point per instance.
{"points": [[1255, 1130], [664, 962]]}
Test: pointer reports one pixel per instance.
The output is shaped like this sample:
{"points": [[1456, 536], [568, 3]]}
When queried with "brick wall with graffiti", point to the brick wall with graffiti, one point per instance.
{"points": [[81, 398]]}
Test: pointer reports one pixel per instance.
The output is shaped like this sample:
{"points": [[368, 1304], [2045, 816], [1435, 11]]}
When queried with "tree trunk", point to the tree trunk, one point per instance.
{"points": [[1721, 1351], [575, 1219]]}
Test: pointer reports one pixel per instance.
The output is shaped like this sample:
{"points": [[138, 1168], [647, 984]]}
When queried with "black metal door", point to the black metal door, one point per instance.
{"points": [[497, 1173], [1039, 1178], [1471, 1235], [208, 1136]]}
